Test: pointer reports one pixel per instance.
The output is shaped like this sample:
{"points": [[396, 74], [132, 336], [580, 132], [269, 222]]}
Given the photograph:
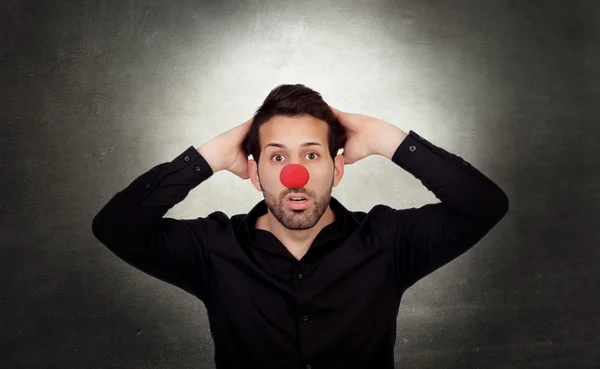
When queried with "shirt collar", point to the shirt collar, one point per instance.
{"points": [[345, 221]]}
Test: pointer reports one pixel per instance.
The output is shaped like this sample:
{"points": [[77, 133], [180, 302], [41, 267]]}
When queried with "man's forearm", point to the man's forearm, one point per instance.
{"points": [[211, 153], [389, 139]]}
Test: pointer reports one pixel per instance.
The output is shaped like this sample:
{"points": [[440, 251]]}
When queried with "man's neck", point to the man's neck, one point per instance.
{"points": [[296, 241]]}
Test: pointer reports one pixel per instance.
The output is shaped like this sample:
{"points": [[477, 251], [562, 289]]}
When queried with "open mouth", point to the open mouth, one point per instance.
{"points": [[298, 199], [297, 202]]}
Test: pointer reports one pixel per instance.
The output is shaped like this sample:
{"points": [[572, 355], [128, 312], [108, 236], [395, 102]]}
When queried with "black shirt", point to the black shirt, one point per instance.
{"points": [[337, 306]]}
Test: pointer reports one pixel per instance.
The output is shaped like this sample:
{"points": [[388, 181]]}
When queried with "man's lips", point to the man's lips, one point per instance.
{"points": [[298, 205], [296, 196]]}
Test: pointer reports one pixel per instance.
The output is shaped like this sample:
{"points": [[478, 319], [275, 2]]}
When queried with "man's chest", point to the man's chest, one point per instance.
{"points": [[333, 286]]}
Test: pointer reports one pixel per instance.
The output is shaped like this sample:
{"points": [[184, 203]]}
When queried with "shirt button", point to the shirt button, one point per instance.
{"points": [[308, 367], [412, 148], [148, 186], [305, 318], [187, 158], [299, 276], [197, 168]]}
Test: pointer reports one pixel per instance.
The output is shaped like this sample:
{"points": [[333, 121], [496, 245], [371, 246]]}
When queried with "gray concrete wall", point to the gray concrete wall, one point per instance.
{"points": [[94, 93]]}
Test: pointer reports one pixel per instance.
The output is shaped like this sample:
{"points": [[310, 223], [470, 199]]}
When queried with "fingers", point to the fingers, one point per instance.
{"points": [[244, 128], [334, 110], [246, 125]]}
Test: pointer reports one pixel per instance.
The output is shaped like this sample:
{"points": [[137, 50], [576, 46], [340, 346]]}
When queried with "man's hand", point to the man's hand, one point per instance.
{"points": [[225, 152], [368, 136]]}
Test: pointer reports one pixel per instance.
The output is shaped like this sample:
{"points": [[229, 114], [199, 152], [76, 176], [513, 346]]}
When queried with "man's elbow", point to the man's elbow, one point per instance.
{"points": [[97, 229], [101, 229], [498, 207], [502, 204]]}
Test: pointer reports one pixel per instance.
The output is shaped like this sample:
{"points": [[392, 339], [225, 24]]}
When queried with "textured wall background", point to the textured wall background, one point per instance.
{"points": [[94, 93]]}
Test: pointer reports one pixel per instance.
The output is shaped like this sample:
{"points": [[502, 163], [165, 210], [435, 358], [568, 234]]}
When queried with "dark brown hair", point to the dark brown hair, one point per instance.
{"points": [[293, 101]]}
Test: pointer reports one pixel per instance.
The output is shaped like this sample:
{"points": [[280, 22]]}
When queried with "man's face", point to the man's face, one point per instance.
{"points": [[291, 133]]}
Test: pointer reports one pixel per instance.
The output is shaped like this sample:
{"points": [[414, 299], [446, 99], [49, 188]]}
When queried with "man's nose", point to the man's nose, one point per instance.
{"points": [[294, 176]]}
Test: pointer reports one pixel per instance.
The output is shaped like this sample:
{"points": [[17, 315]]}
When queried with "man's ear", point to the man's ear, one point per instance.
{"points": [[338, 173], [253, 173]]}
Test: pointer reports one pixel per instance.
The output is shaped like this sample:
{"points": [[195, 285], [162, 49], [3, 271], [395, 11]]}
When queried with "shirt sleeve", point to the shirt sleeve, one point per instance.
{"points": [[133, 227], [428, 237]]}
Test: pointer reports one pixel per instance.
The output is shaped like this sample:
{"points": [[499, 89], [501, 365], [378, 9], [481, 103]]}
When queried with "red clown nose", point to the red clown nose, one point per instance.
{"points": [[294, 176]]}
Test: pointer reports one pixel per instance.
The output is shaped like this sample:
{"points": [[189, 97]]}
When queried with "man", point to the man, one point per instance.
{"points": [[300, 281]]}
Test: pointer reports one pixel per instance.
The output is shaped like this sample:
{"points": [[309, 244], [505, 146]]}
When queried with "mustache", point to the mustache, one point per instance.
{"points": [[296, 193]]}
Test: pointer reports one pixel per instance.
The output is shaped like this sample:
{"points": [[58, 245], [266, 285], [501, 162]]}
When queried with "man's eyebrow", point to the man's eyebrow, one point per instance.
{"points": [[276, 144]]}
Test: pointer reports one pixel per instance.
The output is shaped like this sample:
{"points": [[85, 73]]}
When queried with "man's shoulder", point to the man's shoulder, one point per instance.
{"points": [[216, 219], [377, 211], [225, 221]]}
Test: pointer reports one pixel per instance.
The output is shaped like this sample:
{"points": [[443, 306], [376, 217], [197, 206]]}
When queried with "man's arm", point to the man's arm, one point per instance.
{"points": [[132, 226], [426, 238]]}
